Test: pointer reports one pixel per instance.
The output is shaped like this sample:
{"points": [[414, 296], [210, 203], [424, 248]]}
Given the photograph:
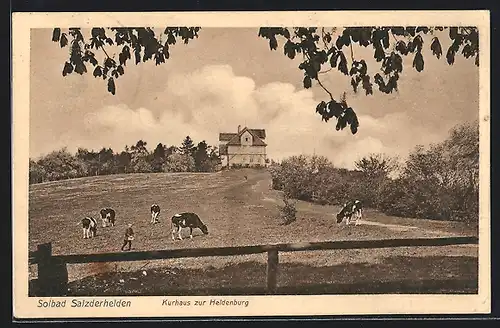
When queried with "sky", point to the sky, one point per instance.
{"points": [[229, 77]]}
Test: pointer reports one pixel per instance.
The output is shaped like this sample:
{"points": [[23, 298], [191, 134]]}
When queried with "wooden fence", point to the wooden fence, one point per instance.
{"points": [[53, 273]]}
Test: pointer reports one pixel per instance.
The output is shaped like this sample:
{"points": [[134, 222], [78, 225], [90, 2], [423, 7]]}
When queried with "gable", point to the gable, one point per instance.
{"points": [[256, 140]]}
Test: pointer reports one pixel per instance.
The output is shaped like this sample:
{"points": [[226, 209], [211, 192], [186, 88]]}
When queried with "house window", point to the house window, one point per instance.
{"points": [[246, 139], [251, 159]]}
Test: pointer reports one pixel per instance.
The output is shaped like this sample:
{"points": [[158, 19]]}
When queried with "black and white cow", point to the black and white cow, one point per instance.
{"points": [[108, 216], [352, 209], [89, 225], [187, 220], [155, 212]]}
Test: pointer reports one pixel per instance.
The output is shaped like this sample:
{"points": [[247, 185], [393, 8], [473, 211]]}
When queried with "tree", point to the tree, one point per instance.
{"points": [[106, 160], [123, 161], [61, 165], [376, 165], [179, 163], [37, 172], [376, 169], [187, 146], [159, 156], [139, 157], [322, 50], [201, 159]]}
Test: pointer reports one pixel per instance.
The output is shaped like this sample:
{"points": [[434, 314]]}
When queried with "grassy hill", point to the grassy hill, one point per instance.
{"points": [[237, 212]]}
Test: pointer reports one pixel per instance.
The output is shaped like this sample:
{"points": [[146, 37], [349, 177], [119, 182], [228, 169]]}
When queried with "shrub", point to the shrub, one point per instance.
{"points": [[288, 211]]}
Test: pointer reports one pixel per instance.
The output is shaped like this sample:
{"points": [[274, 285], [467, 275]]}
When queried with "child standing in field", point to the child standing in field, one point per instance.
{"points": [[129, 236]]}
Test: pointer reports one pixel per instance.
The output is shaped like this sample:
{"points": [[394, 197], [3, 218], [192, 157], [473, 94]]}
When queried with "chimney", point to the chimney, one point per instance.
{"points": [[239, 128]]}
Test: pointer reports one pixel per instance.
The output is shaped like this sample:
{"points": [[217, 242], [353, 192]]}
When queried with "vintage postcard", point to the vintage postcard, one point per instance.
{"points": [[251, 164]]}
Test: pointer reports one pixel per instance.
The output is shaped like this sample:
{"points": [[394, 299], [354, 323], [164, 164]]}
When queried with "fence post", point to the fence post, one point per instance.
{"points": [[272, 271], [52, 273]]}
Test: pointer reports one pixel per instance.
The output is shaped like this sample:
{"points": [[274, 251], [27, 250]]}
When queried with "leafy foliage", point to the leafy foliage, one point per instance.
{"points": [[322, 50], [439, 182], [326, 49], [59, 165], [142, 43]]}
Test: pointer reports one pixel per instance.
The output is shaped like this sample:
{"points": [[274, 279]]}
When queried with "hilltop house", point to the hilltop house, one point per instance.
{"points": [[245, 148]]}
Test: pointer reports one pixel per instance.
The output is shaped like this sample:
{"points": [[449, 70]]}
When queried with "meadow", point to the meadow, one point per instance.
{"points": [[238, 212]]}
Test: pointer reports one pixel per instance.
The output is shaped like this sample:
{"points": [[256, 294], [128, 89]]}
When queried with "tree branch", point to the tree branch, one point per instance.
{"points": [[352, 53], [319, 81], [102, 47], [326, 90]]}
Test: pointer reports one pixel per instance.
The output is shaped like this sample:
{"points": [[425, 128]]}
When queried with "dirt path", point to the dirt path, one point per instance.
{"points": [[263, 188]]}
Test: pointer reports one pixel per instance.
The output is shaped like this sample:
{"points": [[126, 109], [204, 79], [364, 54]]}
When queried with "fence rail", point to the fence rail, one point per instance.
{"points": [[53, 275]]}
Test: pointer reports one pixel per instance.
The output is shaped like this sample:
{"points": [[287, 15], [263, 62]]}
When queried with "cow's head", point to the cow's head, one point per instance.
{"points": [[340, 216], [204, 229]]}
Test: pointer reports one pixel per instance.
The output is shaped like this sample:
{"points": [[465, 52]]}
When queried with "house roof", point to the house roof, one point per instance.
{"points": [[260, 133], [256, 139], [226, 136]]}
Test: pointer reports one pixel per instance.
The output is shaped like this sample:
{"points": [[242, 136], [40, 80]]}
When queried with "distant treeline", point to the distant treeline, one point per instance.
{"points": [[61, 164], [436, 182]]}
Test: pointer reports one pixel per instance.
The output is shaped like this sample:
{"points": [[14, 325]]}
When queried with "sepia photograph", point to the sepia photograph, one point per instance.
{"points": [[218, 165]]}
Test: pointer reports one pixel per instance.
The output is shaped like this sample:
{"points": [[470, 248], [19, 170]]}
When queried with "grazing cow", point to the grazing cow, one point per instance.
{"points": [[187, 220], [89, 225], [108, 216], [155, 211], [350, 209]]}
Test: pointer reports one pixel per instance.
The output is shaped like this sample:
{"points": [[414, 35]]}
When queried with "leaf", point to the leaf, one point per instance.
{"points": [[68, 69], [56, 34], [385, 39], [285, 33], [120, 70], [171, 39], [333, 59], [467, 51], [137, 53], [80, 67], [352, 119], [379, 52], [97, 71], [320, 108], [109, 41], [367, 85], [397, 62], [316, 65], [289, 49], [418, 62], [418, 42], [476, 61], [436, 48], [335, 108], [365, 37], [343, 64], [307, 82], [401, 47], [63, 41], [450, 56], [111, 86], [328, 38], [273, 43]]}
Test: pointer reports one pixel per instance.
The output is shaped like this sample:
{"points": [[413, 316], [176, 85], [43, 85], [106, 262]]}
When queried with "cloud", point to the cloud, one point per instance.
{"points": [[213, 99]]}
